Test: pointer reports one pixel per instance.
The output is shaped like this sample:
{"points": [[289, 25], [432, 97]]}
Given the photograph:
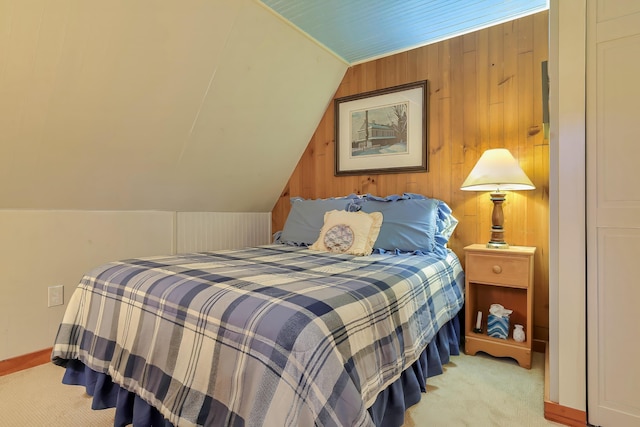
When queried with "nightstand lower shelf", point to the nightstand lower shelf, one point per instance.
{"points": [[497, 347]]}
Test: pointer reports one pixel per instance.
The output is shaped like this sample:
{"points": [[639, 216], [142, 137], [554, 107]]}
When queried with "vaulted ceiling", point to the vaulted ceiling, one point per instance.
{"points": [[361, 30]]}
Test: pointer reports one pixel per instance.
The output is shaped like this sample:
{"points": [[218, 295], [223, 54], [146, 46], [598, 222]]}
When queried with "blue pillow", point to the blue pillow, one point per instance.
{"points": [[446, 223], [408, 224], [306, 218]]}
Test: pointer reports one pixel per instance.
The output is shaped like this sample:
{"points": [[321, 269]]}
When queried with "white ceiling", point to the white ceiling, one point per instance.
{"points": [[361, 30]]}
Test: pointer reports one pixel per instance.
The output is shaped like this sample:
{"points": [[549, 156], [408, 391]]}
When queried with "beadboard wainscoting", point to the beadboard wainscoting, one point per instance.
{"points": [[208, 231]]}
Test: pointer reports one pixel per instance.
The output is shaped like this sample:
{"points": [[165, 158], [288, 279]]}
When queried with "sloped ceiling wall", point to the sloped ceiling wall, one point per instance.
{"points": [[154, 104]]}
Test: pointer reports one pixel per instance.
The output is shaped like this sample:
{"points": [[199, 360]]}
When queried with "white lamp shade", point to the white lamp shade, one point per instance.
{"points": [[497, 169]]}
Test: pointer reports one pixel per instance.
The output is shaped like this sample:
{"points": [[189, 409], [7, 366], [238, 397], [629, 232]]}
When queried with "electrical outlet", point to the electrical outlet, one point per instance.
{"points": [[56, 295]]}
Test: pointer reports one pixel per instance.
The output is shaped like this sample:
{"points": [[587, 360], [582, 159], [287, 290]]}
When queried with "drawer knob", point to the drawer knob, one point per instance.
{"points": [[497, 269]]}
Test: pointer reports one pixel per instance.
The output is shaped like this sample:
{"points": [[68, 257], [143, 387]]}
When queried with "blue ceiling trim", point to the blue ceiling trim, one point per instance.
{"points": [[360, 30]]}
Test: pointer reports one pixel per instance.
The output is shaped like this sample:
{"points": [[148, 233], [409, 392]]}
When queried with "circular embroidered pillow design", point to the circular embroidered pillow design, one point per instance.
{"points": [[339, 238], [348, 232]]}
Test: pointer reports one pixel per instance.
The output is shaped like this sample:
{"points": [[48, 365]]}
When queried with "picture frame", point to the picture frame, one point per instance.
{"points": [[382, 131]]}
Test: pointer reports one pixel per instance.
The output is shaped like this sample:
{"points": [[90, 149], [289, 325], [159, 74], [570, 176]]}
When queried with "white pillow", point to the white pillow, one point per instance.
{"points": [[348, 232]]}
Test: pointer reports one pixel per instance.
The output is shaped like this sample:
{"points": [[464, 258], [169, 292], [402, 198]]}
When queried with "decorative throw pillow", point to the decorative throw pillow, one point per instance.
{"points": [[348, 232]]}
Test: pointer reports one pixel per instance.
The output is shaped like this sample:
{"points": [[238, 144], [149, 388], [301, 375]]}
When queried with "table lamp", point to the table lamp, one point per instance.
{"points": [[497, 170]]}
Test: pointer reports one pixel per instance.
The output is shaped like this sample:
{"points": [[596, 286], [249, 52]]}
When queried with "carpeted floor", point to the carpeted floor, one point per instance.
{"points": [[37, 397], [473, 391], [483, 391]]}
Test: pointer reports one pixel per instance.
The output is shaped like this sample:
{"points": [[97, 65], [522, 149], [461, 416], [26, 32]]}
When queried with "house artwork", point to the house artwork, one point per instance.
{"points": [[375, 136]]}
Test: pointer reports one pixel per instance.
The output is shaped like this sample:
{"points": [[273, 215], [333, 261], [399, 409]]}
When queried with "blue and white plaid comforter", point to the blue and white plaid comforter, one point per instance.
{"points": [[273, 336]]}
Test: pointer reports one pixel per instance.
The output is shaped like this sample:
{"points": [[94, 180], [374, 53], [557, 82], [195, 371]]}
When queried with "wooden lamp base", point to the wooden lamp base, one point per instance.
{"points": [[497, 219]]}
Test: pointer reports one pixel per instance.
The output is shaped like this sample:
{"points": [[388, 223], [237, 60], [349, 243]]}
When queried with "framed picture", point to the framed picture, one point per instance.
{"points": [[383, 131]]}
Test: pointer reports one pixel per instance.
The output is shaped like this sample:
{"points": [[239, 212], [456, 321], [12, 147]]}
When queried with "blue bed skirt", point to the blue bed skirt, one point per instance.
{"points": [[388, 409]]}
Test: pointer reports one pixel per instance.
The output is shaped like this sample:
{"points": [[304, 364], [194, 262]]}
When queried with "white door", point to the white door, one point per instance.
{"points": [[613, 213]]}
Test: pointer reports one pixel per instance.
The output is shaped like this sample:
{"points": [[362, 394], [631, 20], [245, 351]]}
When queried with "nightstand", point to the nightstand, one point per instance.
{"points": [[499, 276]]}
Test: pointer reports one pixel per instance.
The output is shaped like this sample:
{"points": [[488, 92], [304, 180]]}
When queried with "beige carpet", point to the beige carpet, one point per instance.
{"points": [[37, 397], [473, 391], [483, 391]]}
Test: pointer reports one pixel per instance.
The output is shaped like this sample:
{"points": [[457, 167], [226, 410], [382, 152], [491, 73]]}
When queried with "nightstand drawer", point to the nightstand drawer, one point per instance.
{"points": [[503, 270]]}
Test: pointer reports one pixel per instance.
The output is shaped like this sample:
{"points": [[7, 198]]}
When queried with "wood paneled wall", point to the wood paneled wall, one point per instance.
{"points": [[485, 91]]}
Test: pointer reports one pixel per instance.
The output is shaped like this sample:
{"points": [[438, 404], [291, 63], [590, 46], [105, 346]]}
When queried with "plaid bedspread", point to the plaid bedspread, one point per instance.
{"points": [[273, 336]]}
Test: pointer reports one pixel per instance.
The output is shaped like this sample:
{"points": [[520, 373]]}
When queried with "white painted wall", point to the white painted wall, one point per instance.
{"points": [[567, 248], [190, 105], [46, 248]]}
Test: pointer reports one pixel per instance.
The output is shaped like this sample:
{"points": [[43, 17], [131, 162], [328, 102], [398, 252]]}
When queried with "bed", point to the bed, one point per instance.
{"points": [[278, 335]]}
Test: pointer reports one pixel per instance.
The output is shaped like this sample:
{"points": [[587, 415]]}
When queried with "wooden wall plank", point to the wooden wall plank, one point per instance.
{"points": [[496, 63], [485, 92], [457, 67]]}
